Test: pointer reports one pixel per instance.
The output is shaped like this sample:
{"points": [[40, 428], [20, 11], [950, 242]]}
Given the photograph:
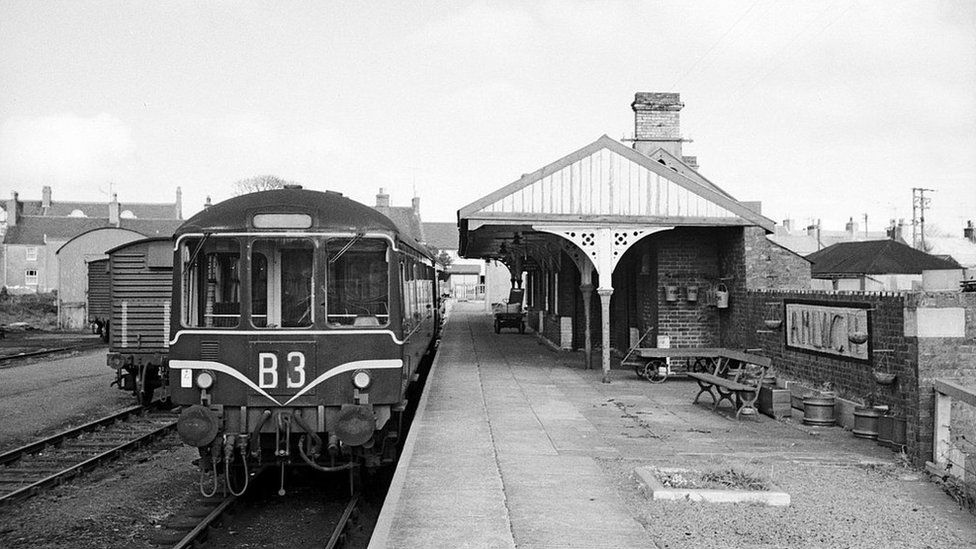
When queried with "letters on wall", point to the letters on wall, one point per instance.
{"points": [[842, 330]]}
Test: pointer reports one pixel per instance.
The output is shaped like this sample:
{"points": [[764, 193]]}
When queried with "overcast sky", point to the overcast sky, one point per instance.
{"points": [[825, 110]]}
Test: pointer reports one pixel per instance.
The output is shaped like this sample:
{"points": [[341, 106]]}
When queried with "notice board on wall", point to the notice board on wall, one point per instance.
{"points": [[841, 330]]}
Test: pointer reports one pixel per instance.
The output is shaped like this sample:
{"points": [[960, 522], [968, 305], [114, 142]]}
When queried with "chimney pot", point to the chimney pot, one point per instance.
{"points": [[969, 232], [382, 199], [113, 210]]}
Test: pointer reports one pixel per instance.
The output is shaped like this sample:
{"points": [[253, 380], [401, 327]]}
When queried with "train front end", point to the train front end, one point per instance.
{"points": [[284, 349]]}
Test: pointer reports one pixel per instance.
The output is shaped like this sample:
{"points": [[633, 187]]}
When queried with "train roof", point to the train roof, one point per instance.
{"points": [[329, 210]]}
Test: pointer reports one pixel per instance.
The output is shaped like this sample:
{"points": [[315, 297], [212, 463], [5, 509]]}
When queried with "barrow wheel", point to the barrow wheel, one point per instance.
{"points": [[702, 366], [653, 371]]}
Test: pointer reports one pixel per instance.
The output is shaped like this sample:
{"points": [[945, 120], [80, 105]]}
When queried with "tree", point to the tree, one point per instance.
{"points": [[259, 183], [444, 259]]}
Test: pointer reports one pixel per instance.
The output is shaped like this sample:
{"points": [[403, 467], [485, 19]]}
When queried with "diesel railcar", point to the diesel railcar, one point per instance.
{"points": [[299, 319], [140, 276]]}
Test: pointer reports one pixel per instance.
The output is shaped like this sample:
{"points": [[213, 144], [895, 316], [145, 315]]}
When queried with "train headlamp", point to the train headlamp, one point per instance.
{"points": [[361, 380], [205, 380]]}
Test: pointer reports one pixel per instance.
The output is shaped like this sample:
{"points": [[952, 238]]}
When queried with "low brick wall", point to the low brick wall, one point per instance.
{"points": [[896, 323]]}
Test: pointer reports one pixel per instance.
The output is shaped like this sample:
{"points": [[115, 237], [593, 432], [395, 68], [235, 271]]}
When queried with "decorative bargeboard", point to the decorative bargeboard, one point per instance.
{"points": [[836, 329]]}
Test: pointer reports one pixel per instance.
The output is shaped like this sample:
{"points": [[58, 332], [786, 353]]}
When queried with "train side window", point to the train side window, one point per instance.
{"points": [[211, 283], [282, 283], [358, 282]]}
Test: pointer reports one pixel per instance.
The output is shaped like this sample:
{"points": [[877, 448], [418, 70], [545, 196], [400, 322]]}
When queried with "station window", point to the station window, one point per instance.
{"points": [[211, 282], [31, 253], [30, 277], [358, 282], [282, 283]]}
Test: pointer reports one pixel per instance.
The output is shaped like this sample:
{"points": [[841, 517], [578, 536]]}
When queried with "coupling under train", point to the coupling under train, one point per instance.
{"points": [[297, 322]]}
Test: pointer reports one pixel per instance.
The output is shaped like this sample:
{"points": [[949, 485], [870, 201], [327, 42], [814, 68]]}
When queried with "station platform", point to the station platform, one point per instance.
{"points": [[515, 445]]}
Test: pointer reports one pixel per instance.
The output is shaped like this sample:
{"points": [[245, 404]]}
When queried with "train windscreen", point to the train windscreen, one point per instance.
{"points": [[358, 282]]}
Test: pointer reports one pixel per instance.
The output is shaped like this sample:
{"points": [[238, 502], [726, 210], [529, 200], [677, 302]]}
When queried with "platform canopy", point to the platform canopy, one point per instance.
{"points": [[603, 185], [594, 204]]}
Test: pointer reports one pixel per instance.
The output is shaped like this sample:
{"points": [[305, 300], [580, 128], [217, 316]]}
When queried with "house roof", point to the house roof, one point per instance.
{"points": [[38, 230], [805, 244], [98, 209], [958, 248], [443, 236], [406, 219], [873, 257]]}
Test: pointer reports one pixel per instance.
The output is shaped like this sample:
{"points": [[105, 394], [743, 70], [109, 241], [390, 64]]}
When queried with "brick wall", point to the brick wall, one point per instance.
{"points": [[915, 361]]}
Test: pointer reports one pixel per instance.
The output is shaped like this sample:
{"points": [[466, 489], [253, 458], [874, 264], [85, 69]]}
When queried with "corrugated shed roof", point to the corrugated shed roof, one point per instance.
{"points": [[32, 230], [443, 236], [873, 257]]}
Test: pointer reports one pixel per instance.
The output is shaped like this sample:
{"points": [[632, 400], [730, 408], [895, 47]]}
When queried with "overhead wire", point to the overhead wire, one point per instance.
{"points": [[714, 45]]}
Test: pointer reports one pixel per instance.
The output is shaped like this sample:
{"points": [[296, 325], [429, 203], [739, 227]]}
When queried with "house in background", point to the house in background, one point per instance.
{"points": [[813, 239], [875, 265], [467, 279], [36, 229]]}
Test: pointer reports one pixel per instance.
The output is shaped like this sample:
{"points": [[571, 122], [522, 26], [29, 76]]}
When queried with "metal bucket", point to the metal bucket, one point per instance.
{"points": [[818, 410], [866, 422], [722, 297]]}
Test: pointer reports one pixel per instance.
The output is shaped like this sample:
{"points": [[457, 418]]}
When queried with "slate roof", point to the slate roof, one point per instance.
{"points": [[98, 209], [32, 230], [873, 257], [804, 244], [405, 219], [958, 248], [443, 236]]}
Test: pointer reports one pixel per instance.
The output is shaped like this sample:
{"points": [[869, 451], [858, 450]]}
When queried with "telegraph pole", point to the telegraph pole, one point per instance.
{"points": [[919, 203]]}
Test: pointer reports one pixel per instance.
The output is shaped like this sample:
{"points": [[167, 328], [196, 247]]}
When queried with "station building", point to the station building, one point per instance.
{"points": [[618, 244]]}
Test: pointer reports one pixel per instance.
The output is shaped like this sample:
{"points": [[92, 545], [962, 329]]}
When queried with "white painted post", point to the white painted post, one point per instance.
{"points": [[940, 442], [605, 294]]}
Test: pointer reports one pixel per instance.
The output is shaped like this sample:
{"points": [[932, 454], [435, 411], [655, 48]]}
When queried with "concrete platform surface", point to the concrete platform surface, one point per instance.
{"points": [[515, 445]]}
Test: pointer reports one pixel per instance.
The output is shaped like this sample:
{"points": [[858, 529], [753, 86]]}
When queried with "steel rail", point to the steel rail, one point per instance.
{"points": [[55, 440], [76, 468], [189, 539], [337, 534], [43, 352]]}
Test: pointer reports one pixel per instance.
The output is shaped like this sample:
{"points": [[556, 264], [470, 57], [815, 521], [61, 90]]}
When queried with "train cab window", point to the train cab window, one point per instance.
{"points": [[358, 282], [282, 283], [211, 283]]}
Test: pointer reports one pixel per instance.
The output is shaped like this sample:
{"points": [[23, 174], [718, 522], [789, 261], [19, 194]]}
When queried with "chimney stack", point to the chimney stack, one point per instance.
{"points": [[13, 209], [45, 199], [894, 231], [179, 203], [969, 232], [656, 123], [382, 199], [851, 229], [416, 205], [208, 203], [113, 210]]}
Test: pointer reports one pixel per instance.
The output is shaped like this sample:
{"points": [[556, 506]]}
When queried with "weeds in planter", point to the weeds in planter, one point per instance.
{"points": [[727, 479]]}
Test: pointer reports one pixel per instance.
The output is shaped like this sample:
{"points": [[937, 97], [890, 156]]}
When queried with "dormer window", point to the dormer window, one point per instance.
{"points": [[77, 213], [127, 214], [31, 253]]}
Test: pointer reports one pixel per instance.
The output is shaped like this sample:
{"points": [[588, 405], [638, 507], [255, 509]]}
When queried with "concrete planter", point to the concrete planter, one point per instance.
{"points": [[653, 489]]}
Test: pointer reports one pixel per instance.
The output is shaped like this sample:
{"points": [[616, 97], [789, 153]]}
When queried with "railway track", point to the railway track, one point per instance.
{"points": [[185, 531], [29, 469]]}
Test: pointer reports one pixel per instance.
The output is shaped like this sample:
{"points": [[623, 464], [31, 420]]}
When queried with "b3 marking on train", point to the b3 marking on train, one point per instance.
{"points": [[292, 372]]}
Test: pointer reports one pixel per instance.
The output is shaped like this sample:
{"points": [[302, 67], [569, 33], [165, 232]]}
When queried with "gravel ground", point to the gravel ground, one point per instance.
{"points": [[115, 506], [44, 397]]}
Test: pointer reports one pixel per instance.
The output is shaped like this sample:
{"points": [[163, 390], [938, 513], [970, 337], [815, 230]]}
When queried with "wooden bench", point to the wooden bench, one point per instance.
{"points": [[735, 376]]}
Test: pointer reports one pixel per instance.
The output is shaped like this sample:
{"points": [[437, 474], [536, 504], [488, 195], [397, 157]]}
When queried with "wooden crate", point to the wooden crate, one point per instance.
{"points": [[774, 402]]}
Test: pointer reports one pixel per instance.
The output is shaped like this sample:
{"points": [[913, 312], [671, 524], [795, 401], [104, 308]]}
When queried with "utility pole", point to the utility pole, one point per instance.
{"points": [[919, 203]]}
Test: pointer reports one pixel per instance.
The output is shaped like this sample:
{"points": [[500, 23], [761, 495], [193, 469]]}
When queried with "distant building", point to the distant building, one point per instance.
{"points": [[807, 240], [34, 230], [874, 265], [467, 279]]}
